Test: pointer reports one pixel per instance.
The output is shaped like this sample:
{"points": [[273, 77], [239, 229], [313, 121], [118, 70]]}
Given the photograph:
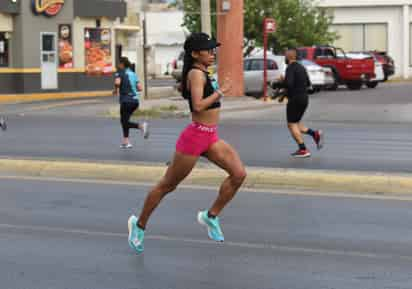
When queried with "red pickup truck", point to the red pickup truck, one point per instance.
{"points": [[350, 72]]}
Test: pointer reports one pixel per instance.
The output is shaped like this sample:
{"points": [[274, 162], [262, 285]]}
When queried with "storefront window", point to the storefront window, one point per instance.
{"points": [[4, 49], [362, 37], [98, 44]]}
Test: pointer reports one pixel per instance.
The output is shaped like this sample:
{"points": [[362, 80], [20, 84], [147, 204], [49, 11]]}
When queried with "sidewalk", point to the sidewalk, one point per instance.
{"points": [[228, 103], [164, 99], [176, 107]]}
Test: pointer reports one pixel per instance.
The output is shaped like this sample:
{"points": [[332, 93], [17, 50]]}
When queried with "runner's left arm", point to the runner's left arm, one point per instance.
{"points": [[117, 83]]}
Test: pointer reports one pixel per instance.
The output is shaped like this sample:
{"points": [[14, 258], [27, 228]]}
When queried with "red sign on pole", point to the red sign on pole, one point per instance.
{"points": [[269, 26]]}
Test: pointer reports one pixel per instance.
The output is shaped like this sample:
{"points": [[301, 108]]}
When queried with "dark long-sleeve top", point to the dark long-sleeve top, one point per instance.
{"points": [[296, 81]]}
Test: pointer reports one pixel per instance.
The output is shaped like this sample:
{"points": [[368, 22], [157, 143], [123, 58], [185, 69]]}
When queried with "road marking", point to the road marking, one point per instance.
{"points": [[279, 192], [244, 245], [26, 98], [46, 107]]}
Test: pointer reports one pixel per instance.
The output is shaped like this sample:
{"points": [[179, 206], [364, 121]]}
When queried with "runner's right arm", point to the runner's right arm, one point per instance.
{"points": [[117, 83]]}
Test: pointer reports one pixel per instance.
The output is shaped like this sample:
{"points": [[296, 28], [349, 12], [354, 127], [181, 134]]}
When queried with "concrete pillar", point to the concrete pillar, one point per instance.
{"points": [[230, 34], [140, 62], [406, 41], [206, 18]]}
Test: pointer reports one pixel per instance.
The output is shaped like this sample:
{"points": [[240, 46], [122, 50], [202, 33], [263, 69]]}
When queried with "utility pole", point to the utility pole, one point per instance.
{"points": [[146, 87], [206, 17], [230, 35]]}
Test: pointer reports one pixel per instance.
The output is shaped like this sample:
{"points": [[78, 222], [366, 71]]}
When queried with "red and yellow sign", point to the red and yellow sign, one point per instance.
{"points": [[65, 46], [47, 7], [98, 43]]}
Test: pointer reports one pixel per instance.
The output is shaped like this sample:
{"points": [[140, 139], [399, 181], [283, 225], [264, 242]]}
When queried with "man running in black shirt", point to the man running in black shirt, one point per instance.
{"points": [[297, 83]]}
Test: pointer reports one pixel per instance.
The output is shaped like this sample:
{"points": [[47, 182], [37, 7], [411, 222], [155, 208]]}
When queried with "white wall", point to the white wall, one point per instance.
{"points": [[166, 54], [392, 16], [165, 35], [6, 22], [165, 28]]}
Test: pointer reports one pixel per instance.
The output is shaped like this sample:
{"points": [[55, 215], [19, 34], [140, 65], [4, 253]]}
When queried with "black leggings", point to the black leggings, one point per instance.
{"points": [[126, 111]]}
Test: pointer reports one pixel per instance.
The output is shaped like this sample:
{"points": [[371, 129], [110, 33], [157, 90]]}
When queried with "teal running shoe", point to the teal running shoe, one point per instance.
{"points": [[136, 236], [213, 227]]}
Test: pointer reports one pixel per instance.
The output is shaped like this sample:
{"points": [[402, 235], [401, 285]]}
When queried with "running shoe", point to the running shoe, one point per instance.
{"points": [[145, 130], [136, 236], [3, 123], [301, 154], [319, 139], [213, 227], [126, 146]]}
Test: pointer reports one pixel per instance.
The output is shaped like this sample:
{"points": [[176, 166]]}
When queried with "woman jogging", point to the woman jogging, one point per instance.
{"points": [[200, 138], [128, 88]]}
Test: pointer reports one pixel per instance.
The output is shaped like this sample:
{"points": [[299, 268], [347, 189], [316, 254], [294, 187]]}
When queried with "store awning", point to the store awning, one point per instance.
{"points": [[10, 7], [100, 8], [134, 28]]}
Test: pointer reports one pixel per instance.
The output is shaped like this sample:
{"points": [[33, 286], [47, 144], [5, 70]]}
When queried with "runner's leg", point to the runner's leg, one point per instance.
{"points": [[180, 168], [225, 157]]}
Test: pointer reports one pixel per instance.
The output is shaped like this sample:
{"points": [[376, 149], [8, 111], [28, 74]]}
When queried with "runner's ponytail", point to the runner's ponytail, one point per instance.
{"points": [[188, 62]]}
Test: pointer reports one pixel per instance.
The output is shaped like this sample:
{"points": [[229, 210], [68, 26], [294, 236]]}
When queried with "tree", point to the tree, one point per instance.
{"points": [[192, 19], [300, 22]]}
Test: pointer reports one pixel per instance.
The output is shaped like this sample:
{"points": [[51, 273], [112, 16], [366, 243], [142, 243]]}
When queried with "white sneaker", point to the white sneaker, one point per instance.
{"points": [[126, 146], [145, 130]]}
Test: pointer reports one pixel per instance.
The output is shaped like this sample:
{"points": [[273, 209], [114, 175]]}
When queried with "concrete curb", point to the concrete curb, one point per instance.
{"points": [[183, 110], [258, 178], [35, 97], [154, 93]]}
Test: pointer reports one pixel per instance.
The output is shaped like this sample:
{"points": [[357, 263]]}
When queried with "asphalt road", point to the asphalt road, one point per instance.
{"points": [[364, 147], [367, 130], [73, 235], [161, 82]]}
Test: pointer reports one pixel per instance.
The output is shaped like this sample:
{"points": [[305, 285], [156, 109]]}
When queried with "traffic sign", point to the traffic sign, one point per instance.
{"points": [[270, 25]]}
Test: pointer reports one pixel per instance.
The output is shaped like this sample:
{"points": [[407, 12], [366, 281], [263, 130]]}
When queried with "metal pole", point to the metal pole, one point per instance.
{"points": [[146, 94], [265, 48], [206, 17]]}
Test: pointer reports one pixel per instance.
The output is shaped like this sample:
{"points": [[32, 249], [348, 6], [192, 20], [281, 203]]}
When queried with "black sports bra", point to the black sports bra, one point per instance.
{"points": [[211, 86]]}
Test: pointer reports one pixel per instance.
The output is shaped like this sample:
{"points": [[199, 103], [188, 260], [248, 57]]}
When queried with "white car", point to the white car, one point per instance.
{"points": [[379, 71], [177, 66], [320, 77], [253, 73]]}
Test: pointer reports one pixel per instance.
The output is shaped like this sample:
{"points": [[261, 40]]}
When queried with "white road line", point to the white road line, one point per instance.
{"points": [[280, 191], [244, 245]]}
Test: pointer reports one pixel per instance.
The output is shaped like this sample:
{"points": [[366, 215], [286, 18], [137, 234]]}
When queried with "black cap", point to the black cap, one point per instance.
{"points": [[200, 42]]}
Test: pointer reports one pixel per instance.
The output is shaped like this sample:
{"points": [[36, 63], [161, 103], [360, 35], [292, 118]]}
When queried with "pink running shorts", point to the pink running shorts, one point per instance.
{"points": [[196, 139]]}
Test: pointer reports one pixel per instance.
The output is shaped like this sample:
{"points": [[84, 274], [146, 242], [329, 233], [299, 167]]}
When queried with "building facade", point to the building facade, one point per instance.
{"points": [[164, 42], [59, 45], [384, 25]]}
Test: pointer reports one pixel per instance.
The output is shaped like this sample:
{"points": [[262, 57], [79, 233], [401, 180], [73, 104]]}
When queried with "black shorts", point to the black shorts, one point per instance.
{"points": [[296, 109]]}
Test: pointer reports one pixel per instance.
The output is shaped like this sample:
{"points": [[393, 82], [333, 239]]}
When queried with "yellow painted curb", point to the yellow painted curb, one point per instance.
{"points": [[19, 98], [258, 178]]}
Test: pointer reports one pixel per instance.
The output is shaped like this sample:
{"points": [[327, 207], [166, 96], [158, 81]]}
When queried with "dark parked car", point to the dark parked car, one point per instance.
{"points": [[387, 63]]}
